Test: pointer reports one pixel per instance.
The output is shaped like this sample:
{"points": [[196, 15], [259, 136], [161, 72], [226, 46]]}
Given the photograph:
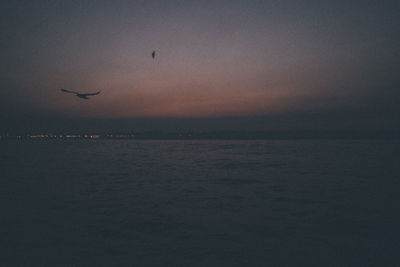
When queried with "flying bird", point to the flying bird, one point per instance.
{"points": [[153, 55], [84, 96]]}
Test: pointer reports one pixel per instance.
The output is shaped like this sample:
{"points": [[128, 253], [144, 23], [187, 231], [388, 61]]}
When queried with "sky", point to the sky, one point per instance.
{"points": [[255, 63]]}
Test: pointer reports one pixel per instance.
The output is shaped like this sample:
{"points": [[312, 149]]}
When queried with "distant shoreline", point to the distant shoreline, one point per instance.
{"points": [[272, 135]]}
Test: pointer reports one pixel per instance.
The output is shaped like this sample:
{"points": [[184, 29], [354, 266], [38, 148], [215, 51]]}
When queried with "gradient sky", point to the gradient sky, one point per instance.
{"points": [[214, 58]]}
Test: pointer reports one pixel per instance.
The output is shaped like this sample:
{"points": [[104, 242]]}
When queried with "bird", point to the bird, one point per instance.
{"points": [[153, 55], [83, 96]]}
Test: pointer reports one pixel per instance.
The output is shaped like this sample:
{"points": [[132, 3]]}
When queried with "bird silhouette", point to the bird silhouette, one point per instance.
{"points": [[153, 55], [83, 96]]}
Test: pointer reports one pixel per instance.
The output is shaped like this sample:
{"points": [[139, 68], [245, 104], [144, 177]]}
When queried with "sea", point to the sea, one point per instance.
{"points": [[200, 203]]}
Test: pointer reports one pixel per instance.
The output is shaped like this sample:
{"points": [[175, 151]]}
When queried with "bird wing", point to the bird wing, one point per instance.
{"points": [[68, 91], [91, 94], [153, 54]]}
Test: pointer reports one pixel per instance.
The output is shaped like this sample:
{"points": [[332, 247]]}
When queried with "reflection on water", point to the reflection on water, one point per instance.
{"points": [[200, 203]]}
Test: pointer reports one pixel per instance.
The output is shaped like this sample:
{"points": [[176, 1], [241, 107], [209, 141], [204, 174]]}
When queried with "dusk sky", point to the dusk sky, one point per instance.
{"points": [[214, 59]]}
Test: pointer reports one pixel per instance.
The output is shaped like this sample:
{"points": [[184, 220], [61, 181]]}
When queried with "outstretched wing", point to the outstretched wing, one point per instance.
{"points": [[68, 91], [91, 94]]}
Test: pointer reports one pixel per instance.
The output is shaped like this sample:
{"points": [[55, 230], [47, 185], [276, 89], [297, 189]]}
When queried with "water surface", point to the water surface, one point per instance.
{"points": [[200, 203]]}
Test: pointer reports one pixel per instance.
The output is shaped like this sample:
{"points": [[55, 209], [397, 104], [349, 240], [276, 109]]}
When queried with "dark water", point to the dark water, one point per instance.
{"points": [[200, 203]]}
